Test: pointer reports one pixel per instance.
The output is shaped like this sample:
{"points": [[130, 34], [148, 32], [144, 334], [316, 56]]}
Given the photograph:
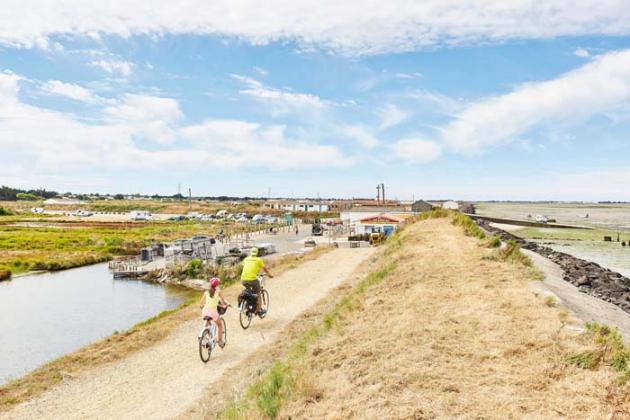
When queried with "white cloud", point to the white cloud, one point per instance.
{"points": [[598, 87], [282, 101], [391, 115], [239, 143], [417, 150], [70, 90], [56, 142], [360, 134], [581, 52], [142, 108], [123, 68], [365, 27]]}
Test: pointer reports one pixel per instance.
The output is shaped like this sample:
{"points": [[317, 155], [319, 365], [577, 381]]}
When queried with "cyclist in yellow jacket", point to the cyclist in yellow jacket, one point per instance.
{"points": [[249, 277]]}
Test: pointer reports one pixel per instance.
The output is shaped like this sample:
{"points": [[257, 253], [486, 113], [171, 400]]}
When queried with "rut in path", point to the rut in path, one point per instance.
{"points": [[165, 379]]}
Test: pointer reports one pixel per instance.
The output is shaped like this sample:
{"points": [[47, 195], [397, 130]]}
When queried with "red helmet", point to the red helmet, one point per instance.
{"points": [[214, 282]]}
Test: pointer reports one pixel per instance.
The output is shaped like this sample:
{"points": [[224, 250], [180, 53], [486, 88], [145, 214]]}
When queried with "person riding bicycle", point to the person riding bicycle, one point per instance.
{"points": [[249, 277], [213, 302]]}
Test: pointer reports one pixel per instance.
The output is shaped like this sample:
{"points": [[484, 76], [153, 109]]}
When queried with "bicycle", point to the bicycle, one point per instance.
{"points": [[208, 337], [247, 303]]}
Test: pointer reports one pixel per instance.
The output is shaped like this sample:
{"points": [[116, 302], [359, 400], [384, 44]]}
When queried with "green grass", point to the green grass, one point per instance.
{"points": [[60, 247], [470, 227], [609, 350], [493, 242], [559, 234]]}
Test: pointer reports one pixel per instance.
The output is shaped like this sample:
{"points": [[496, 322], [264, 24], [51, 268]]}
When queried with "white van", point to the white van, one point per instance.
{"points": [[141, 215]]}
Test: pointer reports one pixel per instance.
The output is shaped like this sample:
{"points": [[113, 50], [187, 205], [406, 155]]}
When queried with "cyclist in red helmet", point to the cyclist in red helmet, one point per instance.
{"points": [[213, 303]]}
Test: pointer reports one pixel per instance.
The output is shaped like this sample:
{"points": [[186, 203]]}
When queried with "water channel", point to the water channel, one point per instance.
{"points": [[44, 316]]}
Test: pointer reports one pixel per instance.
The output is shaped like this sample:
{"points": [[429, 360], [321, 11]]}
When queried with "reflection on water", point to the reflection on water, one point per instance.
{"points": [[610, 255], [45, 316]]}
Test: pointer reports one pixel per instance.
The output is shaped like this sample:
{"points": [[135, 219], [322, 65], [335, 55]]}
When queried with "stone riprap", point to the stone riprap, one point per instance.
{"points": [[587, 276]]}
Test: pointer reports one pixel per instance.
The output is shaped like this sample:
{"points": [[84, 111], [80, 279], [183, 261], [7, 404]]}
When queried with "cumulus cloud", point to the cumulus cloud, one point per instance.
{"points": [[417, 150], [366, 27], [595, 88], [391, 115], [55, 141], [118, 67], [282, 101], [71, 91]]}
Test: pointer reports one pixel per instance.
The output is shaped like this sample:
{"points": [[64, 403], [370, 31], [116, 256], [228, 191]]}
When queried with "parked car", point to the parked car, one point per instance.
{"points": [[82, 213], [222, 213], [541, 219], [258, 219], [141, 215], [177, 218], [37, 210]]}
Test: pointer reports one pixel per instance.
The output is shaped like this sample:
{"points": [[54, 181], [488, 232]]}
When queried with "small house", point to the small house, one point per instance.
{"points": [[421, 206], [385, 223]]}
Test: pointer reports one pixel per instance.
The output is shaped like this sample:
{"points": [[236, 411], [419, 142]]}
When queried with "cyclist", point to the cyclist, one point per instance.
{"points": [[213, 301], [249, 277]]}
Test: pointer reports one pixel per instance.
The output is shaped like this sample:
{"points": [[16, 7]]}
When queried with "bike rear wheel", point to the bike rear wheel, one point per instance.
{"points": [[223, 340], [244, 318], [264, 295], [205, 346]]}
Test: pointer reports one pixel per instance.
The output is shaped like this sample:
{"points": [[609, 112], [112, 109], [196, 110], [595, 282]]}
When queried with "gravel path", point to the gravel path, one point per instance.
{"points": [[164, 380]]}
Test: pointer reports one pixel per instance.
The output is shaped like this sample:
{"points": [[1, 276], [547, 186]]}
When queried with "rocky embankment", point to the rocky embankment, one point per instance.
{"points": [[588, 276]]}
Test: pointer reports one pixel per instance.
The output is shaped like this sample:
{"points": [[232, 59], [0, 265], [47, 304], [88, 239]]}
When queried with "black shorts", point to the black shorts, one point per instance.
{"points": [[253, 285]]}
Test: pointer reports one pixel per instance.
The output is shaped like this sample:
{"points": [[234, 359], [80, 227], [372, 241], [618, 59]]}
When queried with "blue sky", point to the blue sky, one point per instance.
{"points": [[321, 99]]}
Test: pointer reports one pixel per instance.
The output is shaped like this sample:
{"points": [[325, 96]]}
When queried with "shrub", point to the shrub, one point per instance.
{"points": [[470, 227], [27, 197], [512, 253], [436, 213], [194, 267], [5, 273], [610, 350], [5, 212], [494, 242]]}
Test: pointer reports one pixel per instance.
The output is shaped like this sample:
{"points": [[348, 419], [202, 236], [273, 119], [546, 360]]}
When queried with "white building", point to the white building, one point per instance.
{"points": [[295, 205], [450, 205]]}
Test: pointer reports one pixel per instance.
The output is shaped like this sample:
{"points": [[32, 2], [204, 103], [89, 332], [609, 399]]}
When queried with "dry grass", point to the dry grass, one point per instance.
{"points": [[123, 344], [458, 337]]}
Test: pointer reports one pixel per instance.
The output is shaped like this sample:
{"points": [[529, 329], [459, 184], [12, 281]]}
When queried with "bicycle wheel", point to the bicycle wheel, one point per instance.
{"points": [[205, 346], [224, 338], [265, 302], [244, 318]]}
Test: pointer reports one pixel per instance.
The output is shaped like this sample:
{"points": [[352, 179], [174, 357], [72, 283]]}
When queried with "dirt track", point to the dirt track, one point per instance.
{"points": [[164, 380]]}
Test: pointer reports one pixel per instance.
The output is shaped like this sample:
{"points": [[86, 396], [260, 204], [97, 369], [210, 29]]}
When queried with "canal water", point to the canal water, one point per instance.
{"points": [[44, 316]]}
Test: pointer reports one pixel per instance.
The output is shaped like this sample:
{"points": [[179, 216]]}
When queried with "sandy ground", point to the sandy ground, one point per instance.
{"points": [[451, 335], [166, 379]]}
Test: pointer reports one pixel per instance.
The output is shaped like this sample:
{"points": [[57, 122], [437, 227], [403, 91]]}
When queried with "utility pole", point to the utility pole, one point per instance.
{"points": [[383, 191], [378, 194], [179, 191], [189, 199]]}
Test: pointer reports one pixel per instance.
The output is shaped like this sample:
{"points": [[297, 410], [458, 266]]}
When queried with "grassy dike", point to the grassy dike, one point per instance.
{"points": [[538, 357], [265, 396], [123, 344]]}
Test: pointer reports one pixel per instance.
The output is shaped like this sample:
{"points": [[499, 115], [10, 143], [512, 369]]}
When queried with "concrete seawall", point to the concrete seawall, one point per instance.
{"points": [[587, 276]]}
